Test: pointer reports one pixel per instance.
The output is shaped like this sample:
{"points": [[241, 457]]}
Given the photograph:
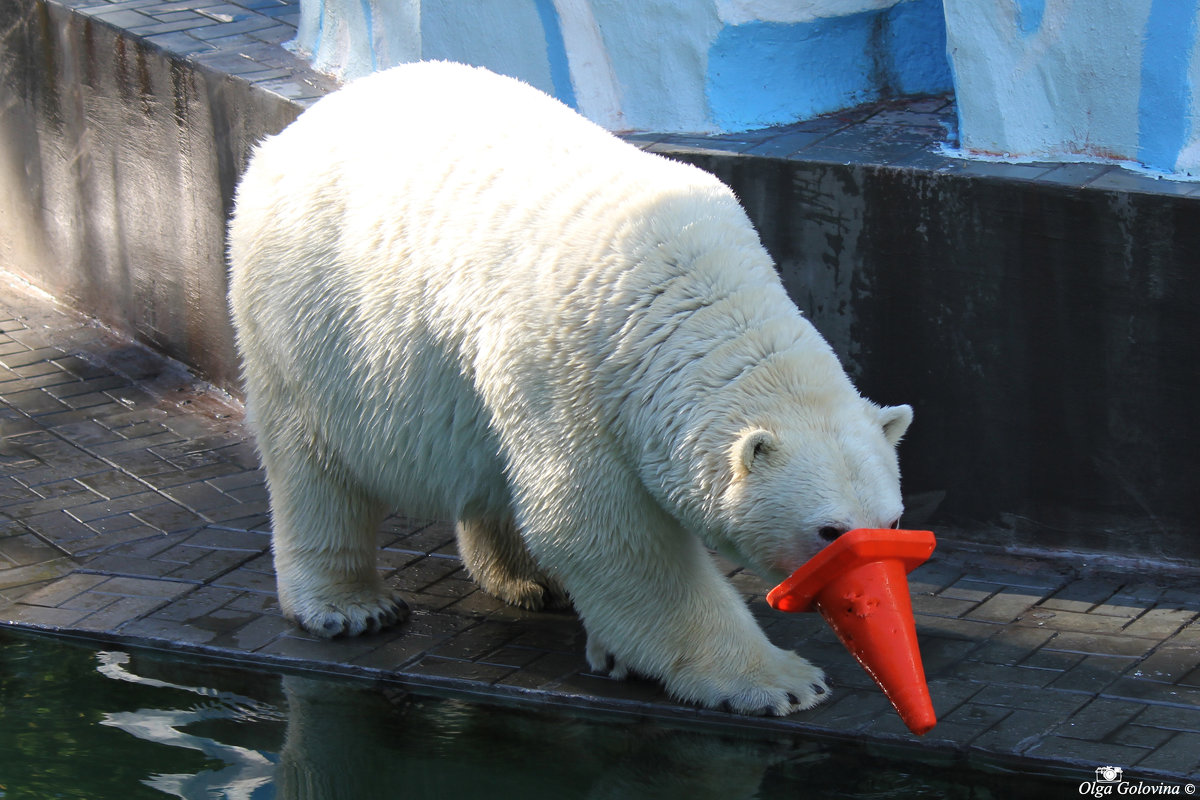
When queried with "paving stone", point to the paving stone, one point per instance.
{"points": [[1189, 636], [939, 606], [257, 602], [300, 647], [88, 601], [27, 574], [224, 539], [128, 586], [1004, 606], [850, 711], [120, 527], [1012, 645], [480, 603], [61, 591], [212, 564], [1093, 673], [1168, 663], [60, 528], [1090, 622], [256, 634], [126, 565], [1089, 754], [98, 509], [971, 590], [26, 549], [396, 653], [43, 616], [515, 657], [1018, 697], [957, 628], [168, 517], [135, 535], [1082, 595], [196, 603], [1017, 731], [169, 631], [446, 668], [475, 642], [1180, 756], [545, 672], [975, 716], [112, 483], [635, 691], [992, 674], [34, 402], [1160, 622], [1178, 718], [1141, 736], [1100, 719], [1154, 693], [246, 579]]}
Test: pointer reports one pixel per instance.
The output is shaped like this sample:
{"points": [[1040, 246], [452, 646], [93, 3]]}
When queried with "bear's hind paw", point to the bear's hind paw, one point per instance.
{"points": [[544, 595], [354, 618]]}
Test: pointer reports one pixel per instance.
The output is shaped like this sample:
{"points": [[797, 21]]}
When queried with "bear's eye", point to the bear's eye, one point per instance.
{"points": [[829, 533]]}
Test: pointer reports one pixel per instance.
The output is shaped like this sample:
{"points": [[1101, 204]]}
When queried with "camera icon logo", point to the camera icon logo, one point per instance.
{"points": [[1109, 774]]}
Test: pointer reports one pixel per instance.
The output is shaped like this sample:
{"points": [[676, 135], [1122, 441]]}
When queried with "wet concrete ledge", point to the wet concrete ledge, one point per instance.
{"points": [[133, 510]]}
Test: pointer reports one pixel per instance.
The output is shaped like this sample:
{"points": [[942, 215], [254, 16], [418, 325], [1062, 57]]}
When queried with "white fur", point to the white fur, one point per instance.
{"points": [[455, 296]]}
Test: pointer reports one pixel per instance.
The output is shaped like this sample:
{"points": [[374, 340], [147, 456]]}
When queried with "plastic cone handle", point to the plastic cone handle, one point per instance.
{"points": [[858, 584]]}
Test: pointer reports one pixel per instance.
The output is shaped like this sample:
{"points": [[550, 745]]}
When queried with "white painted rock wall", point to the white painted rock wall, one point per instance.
{"points": [[662, 65], [1078, 79], [1034, 79]]}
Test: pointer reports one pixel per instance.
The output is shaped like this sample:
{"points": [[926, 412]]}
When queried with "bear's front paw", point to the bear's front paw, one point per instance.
{"points": [[351, 616], [788, 684]]}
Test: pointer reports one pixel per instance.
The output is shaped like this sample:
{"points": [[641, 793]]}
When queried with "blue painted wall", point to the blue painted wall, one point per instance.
{"points": [[764, 73]]}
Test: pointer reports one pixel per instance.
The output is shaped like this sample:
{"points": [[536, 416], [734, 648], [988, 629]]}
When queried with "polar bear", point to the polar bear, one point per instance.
{"points": [[455, 296]]}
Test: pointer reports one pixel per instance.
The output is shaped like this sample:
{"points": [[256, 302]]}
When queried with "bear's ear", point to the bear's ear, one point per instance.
{"points": [[895, 421], [751, 446]]}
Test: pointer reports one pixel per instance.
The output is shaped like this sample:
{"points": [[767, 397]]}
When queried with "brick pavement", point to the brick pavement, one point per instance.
{"points": [[132, 509]]}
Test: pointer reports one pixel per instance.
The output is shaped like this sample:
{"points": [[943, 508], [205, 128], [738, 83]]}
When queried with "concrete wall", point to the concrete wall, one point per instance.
{"points": [[117, 166], [1045, 333], [1046, 336]]}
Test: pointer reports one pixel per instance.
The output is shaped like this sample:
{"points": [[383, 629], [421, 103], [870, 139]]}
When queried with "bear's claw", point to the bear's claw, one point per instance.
{"points": [[354, 618]]}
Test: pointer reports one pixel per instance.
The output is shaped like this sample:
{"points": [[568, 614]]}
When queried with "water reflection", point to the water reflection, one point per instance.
{"points": [[245, 769], [344, 742], [86, 725]]}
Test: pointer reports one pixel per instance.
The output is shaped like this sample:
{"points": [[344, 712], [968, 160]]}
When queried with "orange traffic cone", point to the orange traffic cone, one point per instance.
{"points": [[858, 584]]}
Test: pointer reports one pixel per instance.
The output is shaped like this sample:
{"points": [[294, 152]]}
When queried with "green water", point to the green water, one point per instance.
{"points": [[80, 722]]}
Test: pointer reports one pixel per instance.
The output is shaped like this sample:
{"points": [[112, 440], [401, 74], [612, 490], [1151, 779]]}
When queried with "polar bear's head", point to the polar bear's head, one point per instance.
{"points": [[794, 488]]}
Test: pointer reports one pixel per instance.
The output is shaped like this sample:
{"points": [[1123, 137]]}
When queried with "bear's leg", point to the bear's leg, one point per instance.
{"points": [[324, 542], [499, 562], [654, 603]]}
